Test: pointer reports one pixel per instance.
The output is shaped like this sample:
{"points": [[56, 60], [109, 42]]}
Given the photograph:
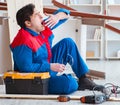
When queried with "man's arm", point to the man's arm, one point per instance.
{"points": [[57, 18], [23, 59]]}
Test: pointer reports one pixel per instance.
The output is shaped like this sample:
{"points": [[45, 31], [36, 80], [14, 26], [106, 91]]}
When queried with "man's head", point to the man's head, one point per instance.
{"points": [[29, 17], [24, 14]]}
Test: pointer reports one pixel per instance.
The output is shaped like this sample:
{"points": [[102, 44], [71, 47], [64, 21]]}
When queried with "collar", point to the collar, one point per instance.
{"points": [[32, 32]]}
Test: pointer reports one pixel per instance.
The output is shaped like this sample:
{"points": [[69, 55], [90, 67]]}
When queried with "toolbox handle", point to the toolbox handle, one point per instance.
{"points": [[9, 80], [37, 80]]}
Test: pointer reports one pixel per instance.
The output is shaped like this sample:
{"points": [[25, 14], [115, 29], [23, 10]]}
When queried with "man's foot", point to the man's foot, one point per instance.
{"points": [[85, 83]]}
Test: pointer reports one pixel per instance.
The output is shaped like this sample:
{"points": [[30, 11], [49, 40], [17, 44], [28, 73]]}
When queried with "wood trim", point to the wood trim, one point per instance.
{"points": [[46, 97], [58, 4], [91, 21], [96, 74], [49, 10], [3, 4], [87, 15], [112, 28], [81, 14], [84, 15], [3, 8]]}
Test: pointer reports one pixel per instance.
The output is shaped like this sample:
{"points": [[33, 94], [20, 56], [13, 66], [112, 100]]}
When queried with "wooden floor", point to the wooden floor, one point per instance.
{"points": [[111, 68]]}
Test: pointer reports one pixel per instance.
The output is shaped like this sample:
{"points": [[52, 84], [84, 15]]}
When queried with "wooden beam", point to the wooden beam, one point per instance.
{"points": [[95, 21], [112, 28], [28, 96], [46, 97], [3, 4], [93, 74], [3, 8], [81, 14], [88, 15], [58, 4]]}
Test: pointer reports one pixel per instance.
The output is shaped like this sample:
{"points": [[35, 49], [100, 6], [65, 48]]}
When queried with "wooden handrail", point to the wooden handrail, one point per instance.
{"points": [[3, 6], [86, 15], [58, 4], [83, 14], [112, 28]]}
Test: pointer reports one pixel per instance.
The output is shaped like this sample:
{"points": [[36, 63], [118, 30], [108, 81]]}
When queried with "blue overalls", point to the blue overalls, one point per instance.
{"points": [[34, 53], [65, 52]]}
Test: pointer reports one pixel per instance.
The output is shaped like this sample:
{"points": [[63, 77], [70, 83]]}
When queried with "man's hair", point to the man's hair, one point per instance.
{"points": [[24, 14]]}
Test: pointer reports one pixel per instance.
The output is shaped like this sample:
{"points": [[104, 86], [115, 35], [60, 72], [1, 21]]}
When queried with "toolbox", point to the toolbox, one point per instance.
{"points": [[26, 83]]}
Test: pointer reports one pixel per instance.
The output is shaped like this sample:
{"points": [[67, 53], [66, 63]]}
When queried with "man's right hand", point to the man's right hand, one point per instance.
{"points": [[57, 67]]}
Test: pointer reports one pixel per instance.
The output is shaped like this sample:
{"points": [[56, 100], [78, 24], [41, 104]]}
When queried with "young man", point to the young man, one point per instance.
{"points": [[33, 52]]}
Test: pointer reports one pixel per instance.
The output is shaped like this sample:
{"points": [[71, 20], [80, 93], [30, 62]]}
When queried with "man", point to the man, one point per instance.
{"points": [[33, 52]]}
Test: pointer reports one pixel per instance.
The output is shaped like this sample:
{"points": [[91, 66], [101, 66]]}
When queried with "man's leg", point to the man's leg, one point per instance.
{"points": [[66, 52], [64, 84]]}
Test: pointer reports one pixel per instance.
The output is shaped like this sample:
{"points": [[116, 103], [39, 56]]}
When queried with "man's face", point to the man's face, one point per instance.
{"points": [[36, 22]]}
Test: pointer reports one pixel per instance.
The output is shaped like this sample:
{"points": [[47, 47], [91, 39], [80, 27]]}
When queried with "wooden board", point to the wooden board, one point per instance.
{"points": [[45, 97], [38, 97], [93, 74]]}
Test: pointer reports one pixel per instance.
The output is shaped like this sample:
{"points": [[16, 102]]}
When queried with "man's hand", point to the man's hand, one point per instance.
{"points": [[52, 20], [57, 67]]}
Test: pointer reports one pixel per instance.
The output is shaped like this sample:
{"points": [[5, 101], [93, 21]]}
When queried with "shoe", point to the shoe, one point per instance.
{"points": [[86, 83]]}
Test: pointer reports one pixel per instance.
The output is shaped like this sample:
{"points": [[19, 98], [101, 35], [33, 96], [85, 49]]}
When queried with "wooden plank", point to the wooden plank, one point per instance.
{"points": [[93, 21], [3, 8], [112, 28], [38, 97], [46, 97], [58, 4], [83, 14], [22, 96], [114, 99], [89, 18], [96, 74], [3, 4]]}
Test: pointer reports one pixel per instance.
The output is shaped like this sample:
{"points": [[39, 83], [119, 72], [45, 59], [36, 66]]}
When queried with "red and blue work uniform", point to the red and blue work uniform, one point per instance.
{"points": [[33, 52]]}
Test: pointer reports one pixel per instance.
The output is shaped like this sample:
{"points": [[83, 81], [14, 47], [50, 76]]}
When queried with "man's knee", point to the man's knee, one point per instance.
{"points": [[64, 84], [68, 40], [71, 85]]}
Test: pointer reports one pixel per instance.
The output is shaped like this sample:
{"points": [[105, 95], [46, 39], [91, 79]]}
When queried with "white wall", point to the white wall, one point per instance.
{"points": [[68, 29], [8, 30], [5, 56]]}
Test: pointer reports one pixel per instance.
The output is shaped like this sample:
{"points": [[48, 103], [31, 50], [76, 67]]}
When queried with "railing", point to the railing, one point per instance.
{"points": [[3, 6], [73, 12]]}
